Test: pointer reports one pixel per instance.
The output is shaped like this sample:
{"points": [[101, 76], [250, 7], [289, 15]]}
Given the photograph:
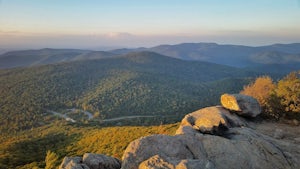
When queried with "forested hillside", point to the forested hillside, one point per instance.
{"points": [[261, 58], [142, 83], [28, 58], [27, 150]]}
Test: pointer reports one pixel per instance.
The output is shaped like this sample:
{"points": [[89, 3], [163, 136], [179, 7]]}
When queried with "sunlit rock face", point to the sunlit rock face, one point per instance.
{"points": [[90, 161], [211, 120], [241, 104], [212, 137]]}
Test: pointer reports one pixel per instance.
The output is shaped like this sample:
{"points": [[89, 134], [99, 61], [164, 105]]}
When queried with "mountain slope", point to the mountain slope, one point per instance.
{"points": [[27, 58], [232, 55], [142, 83]]}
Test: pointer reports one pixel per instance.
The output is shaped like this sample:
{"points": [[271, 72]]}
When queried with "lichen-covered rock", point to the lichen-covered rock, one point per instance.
{"points": [[211, 120], [100, 161], [241, 104]]}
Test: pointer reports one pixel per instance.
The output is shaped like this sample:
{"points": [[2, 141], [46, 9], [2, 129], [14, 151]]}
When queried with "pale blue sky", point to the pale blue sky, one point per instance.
{"points": [[92, 23]]}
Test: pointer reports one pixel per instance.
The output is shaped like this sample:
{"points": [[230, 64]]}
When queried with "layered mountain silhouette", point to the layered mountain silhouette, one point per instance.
{"points": [[261, 58], [28, 58], [143, 83]]}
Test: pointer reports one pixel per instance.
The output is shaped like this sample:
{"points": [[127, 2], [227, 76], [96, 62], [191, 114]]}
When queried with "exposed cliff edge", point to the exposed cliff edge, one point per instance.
{"points": [[213, 137]]}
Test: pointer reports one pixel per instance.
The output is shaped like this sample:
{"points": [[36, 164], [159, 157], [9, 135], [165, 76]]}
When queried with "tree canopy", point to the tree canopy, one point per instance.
{"points": [[281, 99]]}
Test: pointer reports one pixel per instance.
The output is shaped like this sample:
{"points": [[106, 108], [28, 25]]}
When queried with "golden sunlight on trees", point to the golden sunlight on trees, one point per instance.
{"points": [[288, 91], [260, 89], [277, 100]]}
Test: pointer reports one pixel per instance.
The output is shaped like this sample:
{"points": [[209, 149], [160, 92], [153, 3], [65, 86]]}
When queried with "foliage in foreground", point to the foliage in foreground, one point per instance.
{"points": [[281, 99], [46, 146]]}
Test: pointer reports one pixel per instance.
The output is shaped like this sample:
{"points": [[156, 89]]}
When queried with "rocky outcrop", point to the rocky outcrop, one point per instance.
{"points": [[244, 148], [91, 161], [211, 120], [157, 162], [99, 161], [241, 104], [73, 163], [212, 137]]}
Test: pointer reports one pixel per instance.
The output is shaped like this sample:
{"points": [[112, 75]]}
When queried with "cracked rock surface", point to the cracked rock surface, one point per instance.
{"points": [[212, 137]]}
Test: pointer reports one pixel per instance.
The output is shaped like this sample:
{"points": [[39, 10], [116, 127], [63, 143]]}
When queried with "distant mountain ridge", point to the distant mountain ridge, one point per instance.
{"points": [[28, 58], [253, 58], [232, 55]]}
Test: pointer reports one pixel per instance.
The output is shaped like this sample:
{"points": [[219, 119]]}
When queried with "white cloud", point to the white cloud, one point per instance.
{"points": [[117, 35]]}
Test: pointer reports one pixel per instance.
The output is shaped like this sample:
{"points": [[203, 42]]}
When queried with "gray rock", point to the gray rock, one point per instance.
{"points": [[74, 165], [244, 148], [157, 162], [241, 104], [70, 163], [90, 161], [195, 164], [297, 139], [99, 161], [295, 122], [290, 150], [211, 120], [278, 134], [146, 147]]}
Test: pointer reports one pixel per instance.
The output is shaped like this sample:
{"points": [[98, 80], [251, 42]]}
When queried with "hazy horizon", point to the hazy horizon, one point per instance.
{"points": [[98, 24]]}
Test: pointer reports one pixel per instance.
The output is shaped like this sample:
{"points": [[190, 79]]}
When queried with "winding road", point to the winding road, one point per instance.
{"points": [[125, 117], [67, 118], [90, 116]]}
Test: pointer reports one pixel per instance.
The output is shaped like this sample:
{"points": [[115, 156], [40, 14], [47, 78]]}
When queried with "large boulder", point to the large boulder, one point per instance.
{"points": [[157, 162], [90, 161], [244, 148], [73, 163], [241, 104], [100, 161], [210, 120], [147, 147]]}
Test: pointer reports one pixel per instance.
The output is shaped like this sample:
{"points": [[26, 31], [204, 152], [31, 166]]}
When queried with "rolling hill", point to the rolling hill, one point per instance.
{"points": [[143, 83], [253, 58], [107, 85], [28, 58], [231, 55]]}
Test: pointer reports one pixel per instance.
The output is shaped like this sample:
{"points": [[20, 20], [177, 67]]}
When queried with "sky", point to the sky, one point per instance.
{"points": [[137, 23]]}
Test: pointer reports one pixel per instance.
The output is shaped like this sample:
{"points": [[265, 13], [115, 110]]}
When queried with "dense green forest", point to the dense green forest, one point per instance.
{"points": [[141, 83], [28, 149]]}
